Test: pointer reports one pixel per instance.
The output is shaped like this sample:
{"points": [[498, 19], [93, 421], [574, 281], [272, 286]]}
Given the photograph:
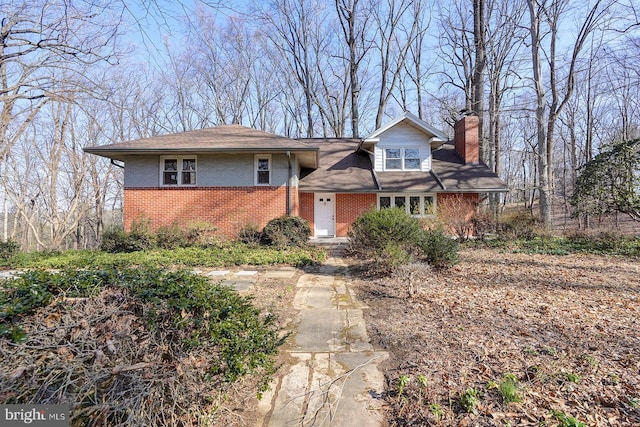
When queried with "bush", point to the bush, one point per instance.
{"points": [[8, 249], [199, 233], [119, 241], [439, 250], [171, 237], [154, 326], [373, 230], [286, 231], [519, 225], [250, 234], [391, 238]]}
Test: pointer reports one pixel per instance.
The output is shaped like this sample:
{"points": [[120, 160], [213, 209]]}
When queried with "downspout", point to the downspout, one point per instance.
{"points": [[289, 178]]}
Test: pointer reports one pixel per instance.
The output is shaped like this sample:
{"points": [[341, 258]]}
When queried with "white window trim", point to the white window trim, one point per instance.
{"points": [[384, 158], [179, 159], [407, 206], [255, 169], [402, 158]]}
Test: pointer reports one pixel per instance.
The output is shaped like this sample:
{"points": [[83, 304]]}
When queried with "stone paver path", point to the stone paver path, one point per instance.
{"points": [[332, 378]]}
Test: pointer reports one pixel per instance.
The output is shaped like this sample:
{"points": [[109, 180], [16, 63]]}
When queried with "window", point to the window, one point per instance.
{"points": [[412, 158], [178, 170], [263, 170], [402, 159], [414, 204], [393, 159]]}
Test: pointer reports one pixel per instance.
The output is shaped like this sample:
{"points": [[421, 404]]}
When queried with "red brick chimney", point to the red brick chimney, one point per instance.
{"points": [[466, 139]]}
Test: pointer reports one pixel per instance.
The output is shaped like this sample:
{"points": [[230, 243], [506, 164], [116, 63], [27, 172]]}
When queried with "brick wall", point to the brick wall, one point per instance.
{"points": [[349, 207], [226, 208], [306, 209]]}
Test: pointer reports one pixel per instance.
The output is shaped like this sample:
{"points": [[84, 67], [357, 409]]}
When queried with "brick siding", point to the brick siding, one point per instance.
{"points": [[226, 208], [306, 209], [349, 207]]}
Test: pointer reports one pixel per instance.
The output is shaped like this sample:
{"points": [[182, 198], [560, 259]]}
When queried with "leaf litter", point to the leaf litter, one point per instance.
{"points": [[566, 327]]}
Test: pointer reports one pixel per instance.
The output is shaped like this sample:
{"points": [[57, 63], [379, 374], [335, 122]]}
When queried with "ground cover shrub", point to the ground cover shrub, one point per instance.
{"points": [[469, 400], [160, 347], [221, 255], [604, 243], [8, 249], [286, 231]]}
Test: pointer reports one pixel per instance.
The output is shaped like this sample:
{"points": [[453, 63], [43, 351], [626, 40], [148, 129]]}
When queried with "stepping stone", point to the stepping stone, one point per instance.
{"points": [[240, 285], [217, 273], [279, 274], [8, 274], [245, 273]]}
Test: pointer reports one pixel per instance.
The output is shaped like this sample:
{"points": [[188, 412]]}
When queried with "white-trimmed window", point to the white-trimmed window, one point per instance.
{"points": [[263, 169], [407, 158], [418, 204], [178, 170]]}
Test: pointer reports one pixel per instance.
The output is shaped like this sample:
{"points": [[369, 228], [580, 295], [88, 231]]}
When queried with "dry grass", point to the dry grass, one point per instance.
{"points": [[566, 327]]}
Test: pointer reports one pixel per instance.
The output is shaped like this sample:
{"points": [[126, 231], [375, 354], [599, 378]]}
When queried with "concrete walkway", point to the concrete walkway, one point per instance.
{"points": [[332, 378]]}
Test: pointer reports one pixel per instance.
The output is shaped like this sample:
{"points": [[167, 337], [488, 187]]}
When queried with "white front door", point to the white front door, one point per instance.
{"points": [[325, 214]]}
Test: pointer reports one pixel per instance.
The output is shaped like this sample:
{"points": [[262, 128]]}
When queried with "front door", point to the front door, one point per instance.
{"points": [[325, 214]]}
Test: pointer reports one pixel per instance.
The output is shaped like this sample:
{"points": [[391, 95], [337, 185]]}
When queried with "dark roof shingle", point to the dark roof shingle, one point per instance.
{"points": [[225, 138]]}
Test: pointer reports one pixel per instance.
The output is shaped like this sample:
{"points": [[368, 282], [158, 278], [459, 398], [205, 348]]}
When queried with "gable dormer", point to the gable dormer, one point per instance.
{"points": [[404, 144]]}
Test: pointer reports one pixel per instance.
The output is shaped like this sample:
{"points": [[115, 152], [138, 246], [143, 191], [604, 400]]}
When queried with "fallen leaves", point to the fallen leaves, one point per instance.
{"points": [[543, 318]]}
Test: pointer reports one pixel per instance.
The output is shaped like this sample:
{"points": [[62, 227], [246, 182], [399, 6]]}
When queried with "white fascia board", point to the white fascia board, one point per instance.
{"points": [[415, 121]]}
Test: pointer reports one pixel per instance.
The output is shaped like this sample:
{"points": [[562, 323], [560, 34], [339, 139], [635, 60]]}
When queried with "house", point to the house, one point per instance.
{"points": [[232, 176]]}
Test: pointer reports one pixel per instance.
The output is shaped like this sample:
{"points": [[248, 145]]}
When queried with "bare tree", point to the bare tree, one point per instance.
{"points": [[394, 38], [354, 18], [545, 21], [38, 39]]}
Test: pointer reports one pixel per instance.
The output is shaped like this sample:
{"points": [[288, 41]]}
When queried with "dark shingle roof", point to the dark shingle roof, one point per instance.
{"points": [[344, 170], [226, 138], [458, 177], [341, 168]]}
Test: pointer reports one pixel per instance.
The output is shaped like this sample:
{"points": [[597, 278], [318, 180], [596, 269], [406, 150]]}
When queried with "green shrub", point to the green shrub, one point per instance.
{"points": [[239, 339], [392, 238], [170, 237], [8, 249], [439, 250], [250, 234], [373, 230], [286, 231], [119, 241], [393, 255]]}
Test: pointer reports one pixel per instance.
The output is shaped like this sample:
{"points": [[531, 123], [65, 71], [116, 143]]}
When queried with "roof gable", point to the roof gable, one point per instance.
{"points": [[411, 120]]}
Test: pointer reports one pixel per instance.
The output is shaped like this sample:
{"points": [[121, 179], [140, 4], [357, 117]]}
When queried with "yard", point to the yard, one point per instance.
{"points": [[557, 336]]}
